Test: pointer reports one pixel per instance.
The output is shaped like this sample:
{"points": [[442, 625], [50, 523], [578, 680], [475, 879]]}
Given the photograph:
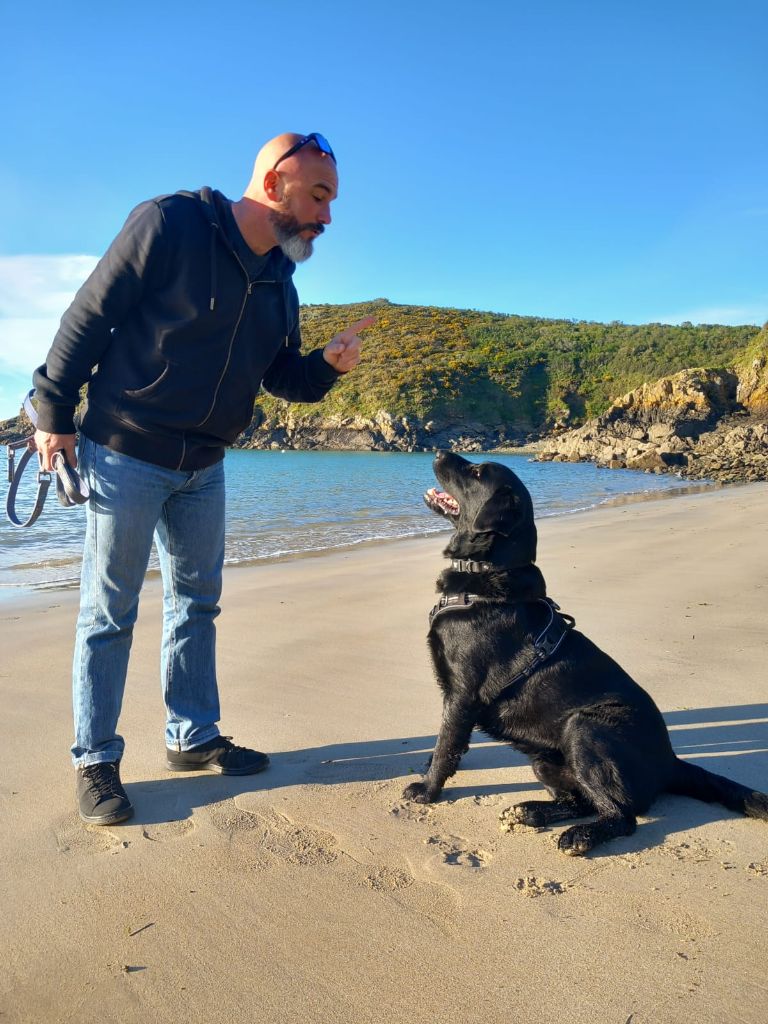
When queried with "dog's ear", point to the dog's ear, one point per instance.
{"points": [[500, 513]]}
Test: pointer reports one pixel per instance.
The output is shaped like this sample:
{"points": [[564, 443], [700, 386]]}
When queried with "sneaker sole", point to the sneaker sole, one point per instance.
{"points": [[217, 769], [107, 819]]}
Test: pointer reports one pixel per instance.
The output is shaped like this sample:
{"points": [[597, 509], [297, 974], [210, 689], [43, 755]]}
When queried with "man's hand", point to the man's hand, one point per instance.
{"points": [[49, 444], [343, 350]]}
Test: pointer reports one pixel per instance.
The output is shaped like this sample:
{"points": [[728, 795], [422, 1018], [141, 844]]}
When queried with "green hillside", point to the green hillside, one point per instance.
{"points": [[460, 366]]}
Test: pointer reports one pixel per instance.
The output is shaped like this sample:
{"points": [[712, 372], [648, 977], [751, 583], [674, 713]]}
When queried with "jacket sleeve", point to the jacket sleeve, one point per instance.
{"points": [[295, 377], [85, 332]]}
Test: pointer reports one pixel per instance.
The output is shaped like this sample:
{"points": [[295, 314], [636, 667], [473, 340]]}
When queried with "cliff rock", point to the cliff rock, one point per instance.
{"points": [[698, 423]]}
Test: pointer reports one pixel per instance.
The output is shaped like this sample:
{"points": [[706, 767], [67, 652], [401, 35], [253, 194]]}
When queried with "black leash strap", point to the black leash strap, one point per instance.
{"points": [[14, 479], [70, 489]]}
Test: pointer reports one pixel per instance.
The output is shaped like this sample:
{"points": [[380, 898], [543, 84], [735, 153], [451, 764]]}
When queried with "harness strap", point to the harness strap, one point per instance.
{"points": [[545, 645], [557, 628], [453, 601]]}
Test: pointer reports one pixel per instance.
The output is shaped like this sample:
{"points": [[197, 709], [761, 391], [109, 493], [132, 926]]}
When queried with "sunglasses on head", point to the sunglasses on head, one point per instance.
{"points": [[319, 140]]}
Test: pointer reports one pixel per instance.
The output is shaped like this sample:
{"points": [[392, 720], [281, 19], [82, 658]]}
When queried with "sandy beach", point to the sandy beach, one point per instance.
{"points": [[313, 893]]}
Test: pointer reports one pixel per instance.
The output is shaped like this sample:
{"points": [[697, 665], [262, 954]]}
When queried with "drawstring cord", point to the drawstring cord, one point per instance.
{"points": [[214, 229]]}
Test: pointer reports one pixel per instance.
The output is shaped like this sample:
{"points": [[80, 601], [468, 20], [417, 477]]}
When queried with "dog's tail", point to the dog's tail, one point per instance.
{"points": [[691, 780]]}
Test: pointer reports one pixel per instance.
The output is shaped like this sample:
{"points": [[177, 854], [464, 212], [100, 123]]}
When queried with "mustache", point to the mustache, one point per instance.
{"points": [[319, 228]]}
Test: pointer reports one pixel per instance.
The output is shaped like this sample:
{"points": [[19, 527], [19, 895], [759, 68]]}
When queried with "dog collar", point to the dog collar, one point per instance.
{"points": [[467, 565]]}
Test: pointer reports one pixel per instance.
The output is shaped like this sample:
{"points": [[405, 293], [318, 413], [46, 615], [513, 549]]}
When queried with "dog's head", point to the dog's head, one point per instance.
{"points": [[489, 508]]}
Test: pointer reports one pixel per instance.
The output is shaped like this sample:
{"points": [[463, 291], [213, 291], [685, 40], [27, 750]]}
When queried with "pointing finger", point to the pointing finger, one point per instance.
{"points": [[360, 325]]}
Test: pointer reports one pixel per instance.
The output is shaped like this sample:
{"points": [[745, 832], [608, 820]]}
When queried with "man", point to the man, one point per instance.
{"points": [[191, 309]]}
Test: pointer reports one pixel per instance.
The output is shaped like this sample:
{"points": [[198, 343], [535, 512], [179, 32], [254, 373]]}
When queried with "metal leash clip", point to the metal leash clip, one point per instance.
{"points": [[70, 488]]}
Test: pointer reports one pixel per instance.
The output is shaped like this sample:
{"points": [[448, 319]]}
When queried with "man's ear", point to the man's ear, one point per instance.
{"points": [[271, 186], [499, 514]]}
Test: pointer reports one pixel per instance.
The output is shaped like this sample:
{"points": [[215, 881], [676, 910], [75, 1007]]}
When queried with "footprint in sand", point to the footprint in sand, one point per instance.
{"points": [[406, 811], [488, 800], [531, 886], [276, 834], [694, 851], [164, 831], [386, 879], [456, 851], [73, 837]]}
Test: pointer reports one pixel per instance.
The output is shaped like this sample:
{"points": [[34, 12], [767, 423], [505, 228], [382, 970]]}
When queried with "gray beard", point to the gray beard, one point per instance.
{"points": [[287, 232]]}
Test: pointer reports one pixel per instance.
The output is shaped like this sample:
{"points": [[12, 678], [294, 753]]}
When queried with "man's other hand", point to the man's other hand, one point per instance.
{"points": [[49, 444], [343, 350]]}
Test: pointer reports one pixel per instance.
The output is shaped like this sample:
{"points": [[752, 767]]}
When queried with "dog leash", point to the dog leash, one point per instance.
{"points": [[71, 490]]}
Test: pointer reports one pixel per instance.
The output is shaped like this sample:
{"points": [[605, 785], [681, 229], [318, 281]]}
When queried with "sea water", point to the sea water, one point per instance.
{"points": [[282, 504]]}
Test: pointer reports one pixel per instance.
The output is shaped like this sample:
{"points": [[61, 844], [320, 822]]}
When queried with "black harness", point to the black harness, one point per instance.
{"points": [[557, 628]]}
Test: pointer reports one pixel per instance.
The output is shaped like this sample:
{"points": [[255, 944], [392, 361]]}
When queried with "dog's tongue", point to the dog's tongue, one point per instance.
{"points": [[446, 501]]}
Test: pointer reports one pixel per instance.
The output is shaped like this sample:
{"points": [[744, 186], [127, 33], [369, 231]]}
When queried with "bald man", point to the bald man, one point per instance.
{"points": [[191, 310]]}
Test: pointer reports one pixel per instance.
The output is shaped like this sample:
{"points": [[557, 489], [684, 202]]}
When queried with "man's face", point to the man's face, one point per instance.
{"points": [[310, 186]]}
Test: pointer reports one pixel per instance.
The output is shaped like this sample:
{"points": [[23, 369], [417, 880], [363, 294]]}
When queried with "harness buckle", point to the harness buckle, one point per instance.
{"points": [[546, 645]]}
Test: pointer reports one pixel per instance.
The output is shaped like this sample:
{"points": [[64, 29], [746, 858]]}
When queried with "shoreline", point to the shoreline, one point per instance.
{"points": [[16, 592]]}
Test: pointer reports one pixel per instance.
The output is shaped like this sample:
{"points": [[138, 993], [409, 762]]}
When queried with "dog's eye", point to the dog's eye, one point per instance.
{"points": [[475, 471]]}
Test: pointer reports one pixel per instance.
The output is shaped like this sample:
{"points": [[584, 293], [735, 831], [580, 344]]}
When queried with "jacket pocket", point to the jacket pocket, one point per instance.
{"points": [[150, 389]]}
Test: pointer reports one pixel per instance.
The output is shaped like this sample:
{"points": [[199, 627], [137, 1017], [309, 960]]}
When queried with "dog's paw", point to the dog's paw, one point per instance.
{"points": [[420, 793], [576, 841], [528, 814]]}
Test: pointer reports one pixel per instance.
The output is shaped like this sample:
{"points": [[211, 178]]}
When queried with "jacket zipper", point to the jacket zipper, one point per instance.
{"points": [[247, 295]]}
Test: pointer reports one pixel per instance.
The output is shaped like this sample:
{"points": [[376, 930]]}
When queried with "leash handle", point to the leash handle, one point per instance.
{"points": [[70, 488]]}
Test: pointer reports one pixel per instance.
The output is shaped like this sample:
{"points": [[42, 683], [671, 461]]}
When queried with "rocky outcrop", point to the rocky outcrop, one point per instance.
{"points": [[14, 429], [382, 432], [695, 423], [753, 377]]}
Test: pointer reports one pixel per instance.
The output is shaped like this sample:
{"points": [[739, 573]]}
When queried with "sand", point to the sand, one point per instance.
{"points": [[313, 892]]}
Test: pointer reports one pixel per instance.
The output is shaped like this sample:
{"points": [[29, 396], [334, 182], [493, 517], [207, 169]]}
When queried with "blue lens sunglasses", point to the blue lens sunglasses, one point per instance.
{"points": [[319, 140]]}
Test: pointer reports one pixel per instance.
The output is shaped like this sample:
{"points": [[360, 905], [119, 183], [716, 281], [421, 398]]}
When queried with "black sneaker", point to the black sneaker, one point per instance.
{"points": [[218, 755], [101, 796]]}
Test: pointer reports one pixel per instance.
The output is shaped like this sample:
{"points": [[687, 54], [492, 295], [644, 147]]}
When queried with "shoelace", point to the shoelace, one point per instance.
{"points": [[230, 747], [102, 780]]}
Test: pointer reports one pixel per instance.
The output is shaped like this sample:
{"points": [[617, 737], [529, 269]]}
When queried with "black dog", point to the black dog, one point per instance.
{"points": [[508, 662]]}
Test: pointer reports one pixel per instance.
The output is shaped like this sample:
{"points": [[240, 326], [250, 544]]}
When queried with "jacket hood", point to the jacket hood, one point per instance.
{"points": [[209, 202]]}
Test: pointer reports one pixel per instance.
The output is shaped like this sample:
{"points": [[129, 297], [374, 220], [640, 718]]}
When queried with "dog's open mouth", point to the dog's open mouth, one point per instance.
{"points": [[441, 501]]}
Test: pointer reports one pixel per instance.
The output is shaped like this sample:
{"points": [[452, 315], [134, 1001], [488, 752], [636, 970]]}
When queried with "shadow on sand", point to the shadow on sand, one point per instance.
{"points": [[732, 741]]}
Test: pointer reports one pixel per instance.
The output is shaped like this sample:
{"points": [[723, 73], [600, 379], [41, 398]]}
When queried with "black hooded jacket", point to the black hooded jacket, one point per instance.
{"points": [[175, 333]]}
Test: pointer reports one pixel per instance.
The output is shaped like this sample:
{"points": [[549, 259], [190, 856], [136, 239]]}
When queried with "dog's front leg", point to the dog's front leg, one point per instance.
{"points": [[459, 717]]}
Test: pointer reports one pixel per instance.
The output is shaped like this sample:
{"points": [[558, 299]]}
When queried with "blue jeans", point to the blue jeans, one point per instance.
{"points": [[132, 501]]}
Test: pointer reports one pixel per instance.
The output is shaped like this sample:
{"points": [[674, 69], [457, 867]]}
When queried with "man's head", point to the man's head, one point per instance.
{"points": [[295, 181]]}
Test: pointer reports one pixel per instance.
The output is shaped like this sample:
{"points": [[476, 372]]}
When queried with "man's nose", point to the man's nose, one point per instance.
{"points": [[325, 214]]}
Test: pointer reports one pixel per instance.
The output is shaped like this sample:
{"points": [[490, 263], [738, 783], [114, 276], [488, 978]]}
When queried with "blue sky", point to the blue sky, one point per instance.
{"points": [[591, 160]]}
